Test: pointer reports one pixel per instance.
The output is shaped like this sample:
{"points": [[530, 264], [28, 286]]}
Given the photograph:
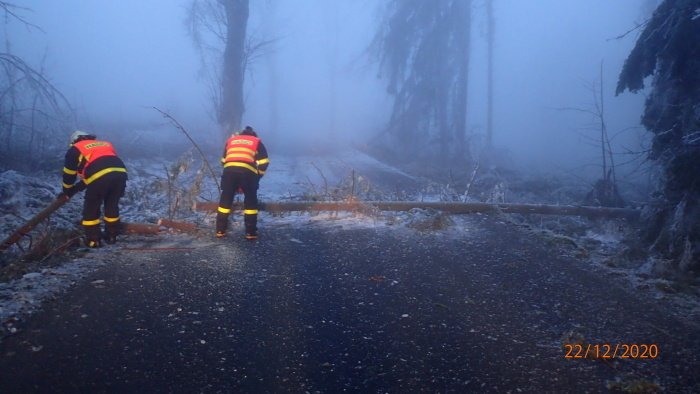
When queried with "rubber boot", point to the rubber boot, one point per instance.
{"points": [[251, 226], [221, 224], [92, 236], [111, 232]]}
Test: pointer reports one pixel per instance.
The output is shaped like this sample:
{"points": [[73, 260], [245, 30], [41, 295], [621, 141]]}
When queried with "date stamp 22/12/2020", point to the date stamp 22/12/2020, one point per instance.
{"points": [[610, 351]]}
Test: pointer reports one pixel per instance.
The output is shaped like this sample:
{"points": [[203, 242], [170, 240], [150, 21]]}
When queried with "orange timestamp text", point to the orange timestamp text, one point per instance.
{"points": [[608, 350]]}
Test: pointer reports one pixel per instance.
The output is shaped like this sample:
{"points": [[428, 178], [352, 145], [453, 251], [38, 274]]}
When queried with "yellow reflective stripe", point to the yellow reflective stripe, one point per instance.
{"points": [[240, 149], [250, 211], [240, 156], [261, 172], [91, 222], [263, 161], [67, 186], [111, 220], [102, 172], [239, 164], [224, 210], [69, 172]]}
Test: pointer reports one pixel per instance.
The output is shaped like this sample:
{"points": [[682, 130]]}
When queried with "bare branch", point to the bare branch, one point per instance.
{"points": [[582, 110], [37, 81], [204, 158], [11, 11], [637, 27]]}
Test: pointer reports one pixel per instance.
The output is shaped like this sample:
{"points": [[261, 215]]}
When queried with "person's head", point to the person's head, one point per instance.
{"points": [[79, 135], [249, 131]]}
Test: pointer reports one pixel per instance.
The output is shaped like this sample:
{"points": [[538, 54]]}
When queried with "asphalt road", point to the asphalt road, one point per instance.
{"points": [[349, 310]]}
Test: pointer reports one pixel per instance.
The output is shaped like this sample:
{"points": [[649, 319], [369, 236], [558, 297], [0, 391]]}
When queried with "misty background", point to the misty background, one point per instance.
{"points": [[315, 85]]}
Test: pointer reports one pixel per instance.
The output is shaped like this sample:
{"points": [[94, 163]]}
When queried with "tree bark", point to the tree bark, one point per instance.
{"points": [[490, 33], [462, 20], [232, 106], [38, 218], [181, 226], [140, 228]]}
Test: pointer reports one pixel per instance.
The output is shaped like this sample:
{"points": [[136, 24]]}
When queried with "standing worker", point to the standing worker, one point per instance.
{"points": [[103, 174], [245, 162]]}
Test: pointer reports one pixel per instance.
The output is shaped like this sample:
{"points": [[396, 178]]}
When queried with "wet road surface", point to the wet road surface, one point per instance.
{"points": [[332, 310]]}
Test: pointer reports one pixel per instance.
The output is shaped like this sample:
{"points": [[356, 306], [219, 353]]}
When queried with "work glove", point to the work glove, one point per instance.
{"points": [[71, 191]]}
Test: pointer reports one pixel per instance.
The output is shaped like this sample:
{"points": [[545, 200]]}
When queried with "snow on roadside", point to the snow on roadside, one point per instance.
{"points": [[294, 177], [22, 197], [23, 296]]}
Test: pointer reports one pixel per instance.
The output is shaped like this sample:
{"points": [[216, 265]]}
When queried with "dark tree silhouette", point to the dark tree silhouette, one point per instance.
{"points": [[423, 50], [32, 110], [669, 49], [218, 28], [232, 105], [490, 36]]}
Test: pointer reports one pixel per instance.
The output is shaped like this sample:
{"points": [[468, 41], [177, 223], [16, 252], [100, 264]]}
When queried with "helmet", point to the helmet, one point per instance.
{"points": [[248, 131], [76, 135]]}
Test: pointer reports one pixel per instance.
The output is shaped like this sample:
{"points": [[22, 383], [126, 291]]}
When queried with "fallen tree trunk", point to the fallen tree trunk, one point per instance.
{"points": [[181, 226], [38, 218], [449, 207], [130, 228], [140, 228]]}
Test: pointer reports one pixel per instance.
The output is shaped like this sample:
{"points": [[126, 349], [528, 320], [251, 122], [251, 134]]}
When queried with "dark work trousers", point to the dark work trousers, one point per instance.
{"points": [[232, 179], [106, 190]]}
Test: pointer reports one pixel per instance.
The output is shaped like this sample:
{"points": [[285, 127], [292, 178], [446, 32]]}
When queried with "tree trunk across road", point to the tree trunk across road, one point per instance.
{"points": [[449, 207], [483, 308]]}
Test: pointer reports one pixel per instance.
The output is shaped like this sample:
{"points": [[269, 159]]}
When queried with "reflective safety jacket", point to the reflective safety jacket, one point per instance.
{"points": [[246, 152], [91, 159]]}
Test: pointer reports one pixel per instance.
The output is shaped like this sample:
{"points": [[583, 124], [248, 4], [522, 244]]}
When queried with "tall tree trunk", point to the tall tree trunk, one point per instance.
{"points": [[462, 20], [490, 32], [270, 21], [333, 67], [11, 79], [232, 106]]}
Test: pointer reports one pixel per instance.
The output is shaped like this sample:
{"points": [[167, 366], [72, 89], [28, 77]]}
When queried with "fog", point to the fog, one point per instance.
{"points": [[316, 84]]}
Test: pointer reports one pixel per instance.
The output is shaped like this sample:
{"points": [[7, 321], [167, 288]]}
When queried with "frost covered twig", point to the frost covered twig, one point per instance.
{"points": [[325, 181], [204, 158], [471, 181]]}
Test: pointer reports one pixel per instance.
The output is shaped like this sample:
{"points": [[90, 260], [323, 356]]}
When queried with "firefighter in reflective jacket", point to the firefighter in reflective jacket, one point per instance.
{"points": [[245, 162], [103, 174]]}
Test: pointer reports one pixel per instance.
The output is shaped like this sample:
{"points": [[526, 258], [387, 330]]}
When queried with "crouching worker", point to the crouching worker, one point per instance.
{"points": [[103, 174], [245, 162]]}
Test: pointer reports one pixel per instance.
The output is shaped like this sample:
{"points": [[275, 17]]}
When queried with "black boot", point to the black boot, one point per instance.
{"points": [[111, 232], [92, 236], [221, 224], [251, 226]]}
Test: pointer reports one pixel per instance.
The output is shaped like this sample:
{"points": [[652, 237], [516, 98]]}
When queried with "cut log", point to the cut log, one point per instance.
{"points": [[157, 249], [38, 218], [449, 207], [140, 228], [180, 226], [128, 228]]}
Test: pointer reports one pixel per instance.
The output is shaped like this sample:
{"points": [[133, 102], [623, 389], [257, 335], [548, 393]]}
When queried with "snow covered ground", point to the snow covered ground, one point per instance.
{"points": [[159, 188]]}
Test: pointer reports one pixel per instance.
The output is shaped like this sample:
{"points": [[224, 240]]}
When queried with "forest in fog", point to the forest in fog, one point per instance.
{"points": [[580, 102]]}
